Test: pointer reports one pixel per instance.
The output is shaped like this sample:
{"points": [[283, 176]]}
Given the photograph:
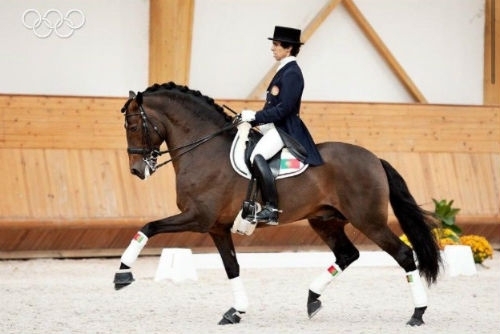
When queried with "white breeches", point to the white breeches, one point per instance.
{"points": [[269, 144]]}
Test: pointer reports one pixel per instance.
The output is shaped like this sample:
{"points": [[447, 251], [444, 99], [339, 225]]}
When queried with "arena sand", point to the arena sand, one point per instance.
{"points": [[77, 296]]}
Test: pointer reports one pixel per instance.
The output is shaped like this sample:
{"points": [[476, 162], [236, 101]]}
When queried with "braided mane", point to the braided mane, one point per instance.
{"points": [[184, 89]]}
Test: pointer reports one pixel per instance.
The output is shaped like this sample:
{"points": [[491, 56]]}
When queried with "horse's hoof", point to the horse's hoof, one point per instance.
{"points": [[313, 304], [232, 316], [415, 322], [416, 318], [123, 278], [313, 308]]}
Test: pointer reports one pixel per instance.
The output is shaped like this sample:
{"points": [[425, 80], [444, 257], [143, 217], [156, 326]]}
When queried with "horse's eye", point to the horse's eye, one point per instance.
{"points": [[130, 127]]}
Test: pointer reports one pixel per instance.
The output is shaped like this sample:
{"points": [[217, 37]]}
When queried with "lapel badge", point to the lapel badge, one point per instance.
{"points": [[275, 90]]}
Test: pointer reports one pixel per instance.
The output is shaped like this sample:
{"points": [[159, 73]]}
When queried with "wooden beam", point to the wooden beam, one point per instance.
{"points": [[170, 34], [319, 19], [492, 53], [316, 22], [384, 51]]}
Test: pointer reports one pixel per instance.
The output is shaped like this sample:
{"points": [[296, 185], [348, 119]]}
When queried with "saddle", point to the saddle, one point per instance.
{"points": [[285, 163]]}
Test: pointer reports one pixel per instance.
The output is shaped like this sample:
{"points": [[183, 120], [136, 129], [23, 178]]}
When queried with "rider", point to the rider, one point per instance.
{"points": [[279, 119]]}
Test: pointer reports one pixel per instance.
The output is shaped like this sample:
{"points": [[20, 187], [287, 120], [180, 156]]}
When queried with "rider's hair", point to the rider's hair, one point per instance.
{"points": [[295, 47]]}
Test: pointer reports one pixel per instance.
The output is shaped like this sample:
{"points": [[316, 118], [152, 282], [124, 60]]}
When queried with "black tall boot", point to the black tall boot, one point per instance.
{"points": [[262, 171]]}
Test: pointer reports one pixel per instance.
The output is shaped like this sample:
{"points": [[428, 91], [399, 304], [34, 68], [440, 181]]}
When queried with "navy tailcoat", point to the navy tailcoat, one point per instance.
{"points": [[282, 107]]}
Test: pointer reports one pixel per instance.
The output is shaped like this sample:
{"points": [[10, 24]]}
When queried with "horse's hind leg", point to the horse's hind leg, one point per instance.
{"points": [[333, 234], [382, 235]]}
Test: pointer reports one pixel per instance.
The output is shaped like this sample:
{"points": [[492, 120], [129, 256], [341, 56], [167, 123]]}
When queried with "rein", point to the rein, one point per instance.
{"points": [[155, 153], [191, 146]]}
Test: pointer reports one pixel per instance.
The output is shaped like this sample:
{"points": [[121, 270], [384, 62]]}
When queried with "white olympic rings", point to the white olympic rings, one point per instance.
{"points": [[53, 21]]}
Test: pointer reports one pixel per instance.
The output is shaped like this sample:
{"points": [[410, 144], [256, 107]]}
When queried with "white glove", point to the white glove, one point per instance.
{"points": [[247, 115]]}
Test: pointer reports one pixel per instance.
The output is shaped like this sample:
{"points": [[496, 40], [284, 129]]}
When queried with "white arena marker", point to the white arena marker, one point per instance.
{"points": [[458, 260], [176, 264]]}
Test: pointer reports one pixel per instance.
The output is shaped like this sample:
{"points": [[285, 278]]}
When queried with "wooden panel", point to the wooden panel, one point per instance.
{"points": [[401, 127], [65, 168], [69, 185], [79, 123], [61, 122]]}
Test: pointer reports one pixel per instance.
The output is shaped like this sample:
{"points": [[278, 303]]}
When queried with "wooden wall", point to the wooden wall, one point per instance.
{"points": [[66, 185]]}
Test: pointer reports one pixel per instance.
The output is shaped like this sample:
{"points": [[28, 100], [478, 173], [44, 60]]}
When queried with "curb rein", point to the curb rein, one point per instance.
{"points": [[151, 155]]}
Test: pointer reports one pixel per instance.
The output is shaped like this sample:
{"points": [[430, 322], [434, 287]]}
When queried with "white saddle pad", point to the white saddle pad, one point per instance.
{"points": [[289, 165]]}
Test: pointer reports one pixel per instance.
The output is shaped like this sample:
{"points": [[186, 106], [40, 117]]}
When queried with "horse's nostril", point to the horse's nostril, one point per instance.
{"points": [[137, 173]]}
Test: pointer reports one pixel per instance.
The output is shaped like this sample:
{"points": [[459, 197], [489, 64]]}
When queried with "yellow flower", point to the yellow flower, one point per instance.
{"points": [[446, 233], [447, 241], [481, 248]]}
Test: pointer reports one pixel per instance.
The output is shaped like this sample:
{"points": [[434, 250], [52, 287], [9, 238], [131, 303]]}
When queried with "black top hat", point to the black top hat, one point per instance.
{"points": [[288, 35]]}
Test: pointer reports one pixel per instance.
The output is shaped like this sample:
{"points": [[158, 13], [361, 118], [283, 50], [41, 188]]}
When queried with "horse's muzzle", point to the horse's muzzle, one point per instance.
{"points": [[142, 167], [137, 173]]}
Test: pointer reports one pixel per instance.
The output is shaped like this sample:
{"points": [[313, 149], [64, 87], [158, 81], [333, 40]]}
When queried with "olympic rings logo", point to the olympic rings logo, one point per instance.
{"points": [[53, 21]]}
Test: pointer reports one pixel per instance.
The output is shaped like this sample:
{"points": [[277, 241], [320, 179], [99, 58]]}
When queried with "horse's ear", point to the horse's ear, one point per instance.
{"points": [[138, 98], [131, 94]]}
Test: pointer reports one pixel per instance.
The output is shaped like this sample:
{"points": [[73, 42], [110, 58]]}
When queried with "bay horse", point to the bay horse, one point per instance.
{"points": [[352, 186]]}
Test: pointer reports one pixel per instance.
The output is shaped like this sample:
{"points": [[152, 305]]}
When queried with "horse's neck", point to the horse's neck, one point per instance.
{"points": [[184, 127]]}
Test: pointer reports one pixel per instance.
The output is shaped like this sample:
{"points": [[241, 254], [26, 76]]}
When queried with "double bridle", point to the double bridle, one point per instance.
{"points": [[150, 154]]}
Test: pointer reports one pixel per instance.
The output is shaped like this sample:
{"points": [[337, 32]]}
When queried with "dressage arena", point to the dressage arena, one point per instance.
{"points": [[77, 296], [411, 92]]}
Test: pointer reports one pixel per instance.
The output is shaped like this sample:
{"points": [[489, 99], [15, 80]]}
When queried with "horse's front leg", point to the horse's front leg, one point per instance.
{"points": [[224, 243], [178, 223]]}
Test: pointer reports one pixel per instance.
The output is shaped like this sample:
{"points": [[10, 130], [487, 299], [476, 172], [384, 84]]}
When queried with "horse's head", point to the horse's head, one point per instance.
{"points": [[143, 137], [177, 115]]}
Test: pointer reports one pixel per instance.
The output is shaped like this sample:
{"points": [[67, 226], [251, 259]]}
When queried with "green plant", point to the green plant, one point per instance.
{"points": [[445, 213]]}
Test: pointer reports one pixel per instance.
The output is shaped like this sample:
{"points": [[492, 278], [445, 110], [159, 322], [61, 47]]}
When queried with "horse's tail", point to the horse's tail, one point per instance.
{"points": [[416, 223]]}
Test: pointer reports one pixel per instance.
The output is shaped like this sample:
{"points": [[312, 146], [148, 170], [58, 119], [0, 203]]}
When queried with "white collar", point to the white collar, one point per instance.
{"points": [[285, 61]]}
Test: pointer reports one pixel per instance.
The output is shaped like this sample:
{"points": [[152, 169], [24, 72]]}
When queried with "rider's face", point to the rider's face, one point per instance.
{"points": [[280, 52]]}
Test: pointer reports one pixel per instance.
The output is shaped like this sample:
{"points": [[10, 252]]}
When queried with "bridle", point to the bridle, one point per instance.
{"points": [[150, 154]]}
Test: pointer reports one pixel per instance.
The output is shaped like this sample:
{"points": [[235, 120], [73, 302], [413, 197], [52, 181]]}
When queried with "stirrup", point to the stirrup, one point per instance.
{"points": [[268, 215]]}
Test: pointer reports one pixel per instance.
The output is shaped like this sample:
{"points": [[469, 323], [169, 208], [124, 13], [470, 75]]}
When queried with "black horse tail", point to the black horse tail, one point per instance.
{"points": [[416, 223]]}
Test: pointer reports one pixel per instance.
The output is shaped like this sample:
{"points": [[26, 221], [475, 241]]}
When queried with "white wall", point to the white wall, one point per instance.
{"points": [[438, 42], [108, 56]]}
